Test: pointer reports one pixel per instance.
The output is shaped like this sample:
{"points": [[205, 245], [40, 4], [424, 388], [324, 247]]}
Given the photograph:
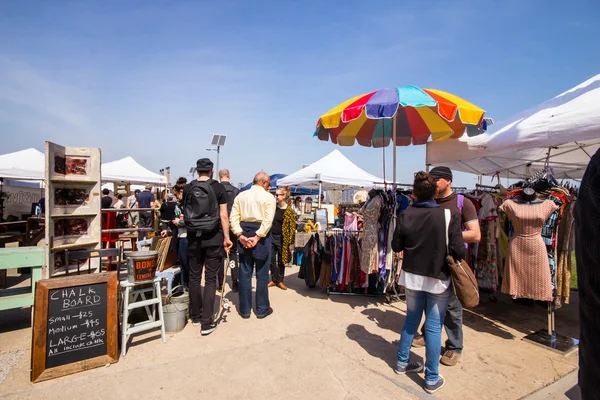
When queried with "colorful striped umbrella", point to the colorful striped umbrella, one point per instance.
{"points": [[417, 115]]}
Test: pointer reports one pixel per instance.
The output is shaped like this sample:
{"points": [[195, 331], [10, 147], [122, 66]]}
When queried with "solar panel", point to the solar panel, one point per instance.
{"points": [[218, 140]]}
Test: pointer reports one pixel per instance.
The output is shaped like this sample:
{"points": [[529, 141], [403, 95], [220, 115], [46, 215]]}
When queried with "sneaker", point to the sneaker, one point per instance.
{"points": [[450, 358], [418, 341], [196, 322], [208, 329], [411, 367], [434, 387]]}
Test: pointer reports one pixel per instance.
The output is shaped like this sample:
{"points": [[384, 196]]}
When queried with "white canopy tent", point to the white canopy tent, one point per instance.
{"points": [[28, 164], [334, 171], [24, 165], [562, 133], [128, 170]]}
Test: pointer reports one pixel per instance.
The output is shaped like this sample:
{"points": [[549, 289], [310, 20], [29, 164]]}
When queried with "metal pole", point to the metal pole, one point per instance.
{"points": [[320, 191], [394, 144], [218, 151]]}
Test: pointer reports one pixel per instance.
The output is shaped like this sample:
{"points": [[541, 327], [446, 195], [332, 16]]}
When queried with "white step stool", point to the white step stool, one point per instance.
{"points": [[139, 300]]}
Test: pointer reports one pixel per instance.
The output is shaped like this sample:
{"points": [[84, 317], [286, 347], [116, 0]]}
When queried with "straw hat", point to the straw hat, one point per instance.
{"points": [[360, 197]]}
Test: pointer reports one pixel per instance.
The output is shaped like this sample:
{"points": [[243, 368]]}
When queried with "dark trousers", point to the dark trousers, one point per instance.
{"points": [[453, 322], [277, 266], [210, 259], [233, 264], [146, 221], [247, 265], [182, 254]]}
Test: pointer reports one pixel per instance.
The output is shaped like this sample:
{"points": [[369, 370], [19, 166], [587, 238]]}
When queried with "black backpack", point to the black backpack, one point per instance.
{"points": [[232, 192], [201, 209]]}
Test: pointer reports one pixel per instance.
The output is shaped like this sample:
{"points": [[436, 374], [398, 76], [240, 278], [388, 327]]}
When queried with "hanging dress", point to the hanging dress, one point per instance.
{"points": [[527, 271], [370, 251]]}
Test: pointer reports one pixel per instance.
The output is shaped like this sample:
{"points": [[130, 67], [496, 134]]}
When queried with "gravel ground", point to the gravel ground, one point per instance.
{"points": [[8, 360]]}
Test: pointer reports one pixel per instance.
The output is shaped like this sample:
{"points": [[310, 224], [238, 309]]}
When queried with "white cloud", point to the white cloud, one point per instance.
{"points": [[22, 85]]}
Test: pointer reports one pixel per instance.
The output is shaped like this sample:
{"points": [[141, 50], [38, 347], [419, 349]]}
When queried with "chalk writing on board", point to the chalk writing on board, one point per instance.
{"points": [[76, 324]]}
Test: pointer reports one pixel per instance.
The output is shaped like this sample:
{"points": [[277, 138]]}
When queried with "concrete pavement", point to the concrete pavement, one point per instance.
{"points": [[313, 346]]}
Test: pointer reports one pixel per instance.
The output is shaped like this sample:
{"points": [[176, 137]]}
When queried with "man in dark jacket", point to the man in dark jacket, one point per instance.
{"points": [[206, 249], [457, 204], [232, 192], [587, 251]]}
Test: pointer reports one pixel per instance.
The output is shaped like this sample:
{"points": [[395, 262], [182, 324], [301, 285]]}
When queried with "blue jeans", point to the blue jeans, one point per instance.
{"points": [[247, 265], [434, 306], [182, 253]]}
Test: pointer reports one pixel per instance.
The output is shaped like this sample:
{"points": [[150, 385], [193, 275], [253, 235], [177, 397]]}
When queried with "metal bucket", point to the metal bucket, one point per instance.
{"points": [[175, 311], [141, 265]]}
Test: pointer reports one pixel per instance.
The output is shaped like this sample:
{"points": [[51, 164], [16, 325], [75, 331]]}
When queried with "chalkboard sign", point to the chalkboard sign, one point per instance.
{"points": [[75, 325]]}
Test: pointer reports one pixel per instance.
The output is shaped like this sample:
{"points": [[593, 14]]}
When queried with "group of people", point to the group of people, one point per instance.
{"points": [[133, 219], [439, 222], [214, 223]]}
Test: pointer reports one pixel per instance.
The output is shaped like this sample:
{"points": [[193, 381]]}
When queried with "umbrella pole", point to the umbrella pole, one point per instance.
{"points": [[394, 144]]}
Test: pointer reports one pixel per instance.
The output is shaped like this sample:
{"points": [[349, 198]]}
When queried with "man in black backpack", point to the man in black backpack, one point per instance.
{"points": [[232, 191], [207, 224]]}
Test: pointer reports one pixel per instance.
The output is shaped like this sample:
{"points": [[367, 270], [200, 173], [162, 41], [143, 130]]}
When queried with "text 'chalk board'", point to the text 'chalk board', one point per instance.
{"points": [[75, 325]]}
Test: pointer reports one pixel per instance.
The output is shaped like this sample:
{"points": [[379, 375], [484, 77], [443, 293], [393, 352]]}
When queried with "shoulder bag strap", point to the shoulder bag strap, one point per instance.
{"points": [[447, 217]]}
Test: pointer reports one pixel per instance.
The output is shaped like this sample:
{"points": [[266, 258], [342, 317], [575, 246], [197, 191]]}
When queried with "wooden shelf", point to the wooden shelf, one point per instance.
{"points": [[75, 213], [85, 180], [73, 246]]}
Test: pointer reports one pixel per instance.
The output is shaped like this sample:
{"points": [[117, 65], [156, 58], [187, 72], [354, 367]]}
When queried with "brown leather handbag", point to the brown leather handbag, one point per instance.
{"points": [[463, 280]]}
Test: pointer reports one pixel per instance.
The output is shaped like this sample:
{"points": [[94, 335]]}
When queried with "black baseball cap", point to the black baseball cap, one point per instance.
{"points": [[204, 165], [441, 172]]}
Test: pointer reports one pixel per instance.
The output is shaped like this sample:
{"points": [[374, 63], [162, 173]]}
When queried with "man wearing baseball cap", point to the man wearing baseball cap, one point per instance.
{"points": [[458, 204], [207, 224]]}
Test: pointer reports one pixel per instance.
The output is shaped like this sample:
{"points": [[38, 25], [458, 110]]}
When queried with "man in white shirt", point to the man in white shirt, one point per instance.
{"points": [[251, 220]]}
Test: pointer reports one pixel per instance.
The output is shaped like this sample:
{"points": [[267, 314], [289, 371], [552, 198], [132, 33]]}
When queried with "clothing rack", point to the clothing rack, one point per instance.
{"points": [[479, 186], [549, 338]]}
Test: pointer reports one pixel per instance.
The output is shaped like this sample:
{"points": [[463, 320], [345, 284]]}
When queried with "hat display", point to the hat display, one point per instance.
{"points": [[441, 172], [204, 165]]}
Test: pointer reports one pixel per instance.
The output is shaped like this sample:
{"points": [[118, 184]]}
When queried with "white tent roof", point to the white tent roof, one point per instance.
{"points": [[26, 164], [128, 170], [567, 125], [334, 171]]}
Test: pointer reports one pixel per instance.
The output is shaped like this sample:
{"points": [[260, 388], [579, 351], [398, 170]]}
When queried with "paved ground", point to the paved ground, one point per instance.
{"points": [[313, 346], [563, 389]]}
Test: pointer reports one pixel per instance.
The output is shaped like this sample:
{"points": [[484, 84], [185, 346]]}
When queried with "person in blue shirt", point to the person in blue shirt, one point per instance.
{"points": [[146, 200]]}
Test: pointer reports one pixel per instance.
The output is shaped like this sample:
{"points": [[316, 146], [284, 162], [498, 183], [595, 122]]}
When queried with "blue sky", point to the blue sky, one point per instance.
{"points": [[156, 79]]}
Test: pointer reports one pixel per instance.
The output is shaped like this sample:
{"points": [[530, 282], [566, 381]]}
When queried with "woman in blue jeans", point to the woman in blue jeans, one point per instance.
{"points": [[422, 233]]}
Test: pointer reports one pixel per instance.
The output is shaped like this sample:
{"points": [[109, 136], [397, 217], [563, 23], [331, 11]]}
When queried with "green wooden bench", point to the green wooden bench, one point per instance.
{"points": [[21, 257]]}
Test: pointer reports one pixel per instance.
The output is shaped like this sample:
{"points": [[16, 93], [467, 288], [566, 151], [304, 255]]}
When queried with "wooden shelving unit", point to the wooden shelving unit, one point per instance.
{"points": [[73, 217]]}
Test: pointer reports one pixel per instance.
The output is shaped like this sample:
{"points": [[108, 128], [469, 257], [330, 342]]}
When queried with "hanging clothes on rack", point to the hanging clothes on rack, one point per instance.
{"points": [[371, 212], [484, 255], [565, 247], [310, 270]]}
